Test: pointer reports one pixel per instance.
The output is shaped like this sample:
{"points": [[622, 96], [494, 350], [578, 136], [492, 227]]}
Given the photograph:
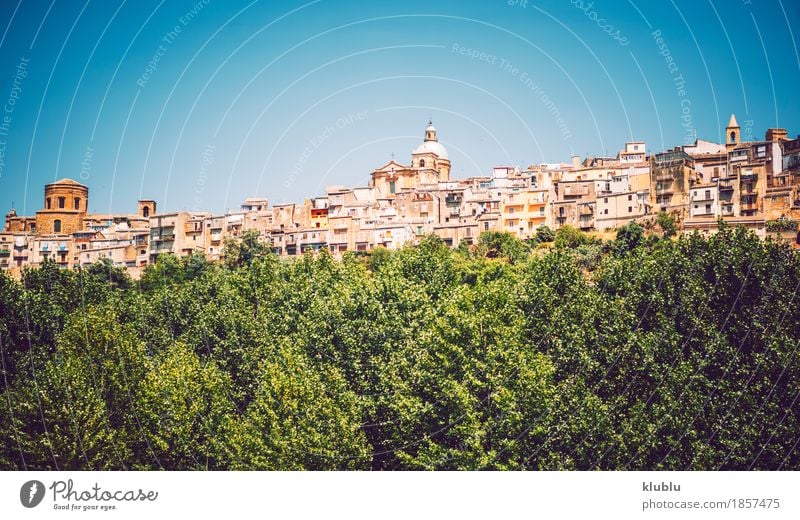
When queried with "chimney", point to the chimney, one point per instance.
{"points": [[576, 161]]}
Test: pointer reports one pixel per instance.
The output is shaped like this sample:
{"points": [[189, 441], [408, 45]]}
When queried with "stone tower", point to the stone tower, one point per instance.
{"points": [[65, 205]]}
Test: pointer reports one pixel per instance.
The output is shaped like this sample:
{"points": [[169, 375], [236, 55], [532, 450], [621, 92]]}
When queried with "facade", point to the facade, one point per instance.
{"points": [[65, 204], [753, 184]]}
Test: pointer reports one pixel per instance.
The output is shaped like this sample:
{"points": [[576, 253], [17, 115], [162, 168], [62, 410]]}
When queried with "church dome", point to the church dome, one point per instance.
{"points": [[431, 145], [434, 147]]}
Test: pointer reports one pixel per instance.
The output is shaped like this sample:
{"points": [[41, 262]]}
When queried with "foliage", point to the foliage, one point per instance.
{"points": [[781, 224], [629, 237], [667, 224], [569, 237], [639, 353], [495, 244], [545, 234], [242, 251]]}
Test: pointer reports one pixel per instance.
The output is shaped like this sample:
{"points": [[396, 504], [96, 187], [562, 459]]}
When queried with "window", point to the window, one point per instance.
{"points": [[47, 204], [62, 202], [145, 211], [57, 226], [605, 211], [733, 136], [486, 226], [636, 148], [630, 209], [77, 202], [708, 194], [708, 208], [392, 187], [422, 163], [630, 197]]}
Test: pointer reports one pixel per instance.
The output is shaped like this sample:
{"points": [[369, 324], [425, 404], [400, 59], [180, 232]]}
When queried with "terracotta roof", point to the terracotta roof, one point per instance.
{"points": [[66, 181]]}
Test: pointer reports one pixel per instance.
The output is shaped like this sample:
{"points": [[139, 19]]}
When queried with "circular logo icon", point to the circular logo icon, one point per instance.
{"points": [[31, 493]]}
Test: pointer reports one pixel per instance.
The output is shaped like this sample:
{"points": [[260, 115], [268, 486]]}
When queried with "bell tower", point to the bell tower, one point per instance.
{"points": [[732, 133]]}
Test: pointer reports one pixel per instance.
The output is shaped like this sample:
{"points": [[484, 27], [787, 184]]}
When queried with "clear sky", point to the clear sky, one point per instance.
{"points": [[199, 104]]}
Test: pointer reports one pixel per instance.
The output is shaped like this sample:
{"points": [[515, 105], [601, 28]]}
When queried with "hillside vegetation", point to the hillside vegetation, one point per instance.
{"points": [[641, 352]]}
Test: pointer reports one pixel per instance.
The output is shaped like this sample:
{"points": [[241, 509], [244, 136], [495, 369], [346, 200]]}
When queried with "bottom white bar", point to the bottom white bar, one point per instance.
{"points": [[400, 494]]}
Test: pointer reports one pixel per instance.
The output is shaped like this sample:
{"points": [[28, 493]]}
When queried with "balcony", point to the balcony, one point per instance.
{"points": [[164, 238], [726, 185], [5, 253], [664, 177]]}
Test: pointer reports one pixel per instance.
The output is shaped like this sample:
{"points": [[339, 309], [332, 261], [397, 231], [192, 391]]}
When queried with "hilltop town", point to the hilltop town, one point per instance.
{"points": [[749, 183]]}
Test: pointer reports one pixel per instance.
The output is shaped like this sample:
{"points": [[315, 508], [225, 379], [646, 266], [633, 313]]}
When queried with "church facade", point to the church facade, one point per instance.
{"points": [[430, 165]]}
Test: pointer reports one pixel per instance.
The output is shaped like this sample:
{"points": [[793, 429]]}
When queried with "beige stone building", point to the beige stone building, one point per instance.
{"points": [[65, 206], [617, 209], [430, 165]]}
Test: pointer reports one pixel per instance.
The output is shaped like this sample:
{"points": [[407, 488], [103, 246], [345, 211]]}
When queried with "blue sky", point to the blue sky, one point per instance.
{"points": [[282, 98]]}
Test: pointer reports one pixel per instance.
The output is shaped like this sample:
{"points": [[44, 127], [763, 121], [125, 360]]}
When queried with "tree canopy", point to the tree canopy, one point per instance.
{"points": [[639, 353]]}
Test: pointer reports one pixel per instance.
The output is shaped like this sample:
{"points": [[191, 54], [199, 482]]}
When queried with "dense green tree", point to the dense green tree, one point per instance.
{"points": [[184, 406], [629, 237], [301, 418], [667, 224], [637, 353], [545, 234], [496, 244], [570, 237], [242, 251]]}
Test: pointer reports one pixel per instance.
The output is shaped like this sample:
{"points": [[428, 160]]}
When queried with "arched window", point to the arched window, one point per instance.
{"points": [[145, 212], [57, 226], [733, 137], [422, 163], [77, 203]]}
